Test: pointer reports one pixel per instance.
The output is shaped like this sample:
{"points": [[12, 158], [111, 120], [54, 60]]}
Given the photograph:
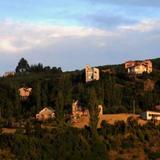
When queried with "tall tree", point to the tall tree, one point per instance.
{"points": [[38, 94], [23, 66], [93, 107], [60, 108], [44, 94], [17, 110]]}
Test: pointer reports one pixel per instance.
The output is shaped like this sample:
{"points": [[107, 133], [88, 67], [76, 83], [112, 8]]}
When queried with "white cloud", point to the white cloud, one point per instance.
{"points": [[71, 47], [143, 26], [6, 45], [17, 37]]}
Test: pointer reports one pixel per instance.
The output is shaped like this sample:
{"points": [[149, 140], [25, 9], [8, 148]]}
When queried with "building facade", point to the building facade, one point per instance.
{"points": [[151, 115], [45, 114], [91, 73], [25, 92], [138, 67]]}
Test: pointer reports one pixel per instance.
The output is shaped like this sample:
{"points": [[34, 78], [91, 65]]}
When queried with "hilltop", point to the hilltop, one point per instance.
{"points": [[116, 90]]}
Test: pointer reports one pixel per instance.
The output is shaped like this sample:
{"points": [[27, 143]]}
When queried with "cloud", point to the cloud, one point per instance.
{"points": [[18, 37], [71, 47], [138, 41]]}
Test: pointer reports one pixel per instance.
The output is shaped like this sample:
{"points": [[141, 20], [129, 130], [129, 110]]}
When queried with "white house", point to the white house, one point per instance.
{"points": [[151, 115]]}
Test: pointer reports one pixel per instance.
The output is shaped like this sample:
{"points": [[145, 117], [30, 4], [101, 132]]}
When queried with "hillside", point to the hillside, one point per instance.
{"points": [[23, 137], [116, 90]]}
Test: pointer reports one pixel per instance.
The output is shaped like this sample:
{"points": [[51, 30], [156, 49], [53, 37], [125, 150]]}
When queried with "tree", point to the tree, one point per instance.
{"points": [[38, 94], [44, 94], [93, 107], [17, 107], [36, 68], [60, 108], [23, 66]]}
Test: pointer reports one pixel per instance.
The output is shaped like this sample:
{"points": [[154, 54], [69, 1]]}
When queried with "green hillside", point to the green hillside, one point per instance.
{"points": [[117, 91]]}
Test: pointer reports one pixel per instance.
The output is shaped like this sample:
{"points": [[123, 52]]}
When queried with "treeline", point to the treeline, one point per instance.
{"points": [[24, 67]]}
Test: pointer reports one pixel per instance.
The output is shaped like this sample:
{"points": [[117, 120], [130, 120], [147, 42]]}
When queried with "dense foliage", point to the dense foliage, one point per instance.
{"points": [[118, 92], [112, 142]]}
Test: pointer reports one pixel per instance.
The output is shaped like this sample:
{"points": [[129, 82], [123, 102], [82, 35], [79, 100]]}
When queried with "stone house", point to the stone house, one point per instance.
{"points": [[91, 73], [25, 92], [45, 114], [138, 67]]}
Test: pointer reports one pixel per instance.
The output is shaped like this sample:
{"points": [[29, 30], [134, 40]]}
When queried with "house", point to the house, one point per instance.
{"points": [[45, 114], [138, 67], [129, 64], [91, 73], [25, 92], [151, 115]]}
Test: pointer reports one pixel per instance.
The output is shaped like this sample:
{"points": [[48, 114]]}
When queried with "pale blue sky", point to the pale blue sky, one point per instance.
{"points": [[71, 33]]}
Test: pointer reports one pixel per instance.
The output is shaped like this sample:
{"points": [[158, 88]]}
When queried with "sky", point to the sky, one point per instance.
{"points": [[72, 33]]}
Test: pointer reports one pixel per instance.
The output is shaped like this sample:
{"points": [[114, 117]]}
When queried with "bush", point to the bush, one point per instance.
{"points": [[154, 155]]}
